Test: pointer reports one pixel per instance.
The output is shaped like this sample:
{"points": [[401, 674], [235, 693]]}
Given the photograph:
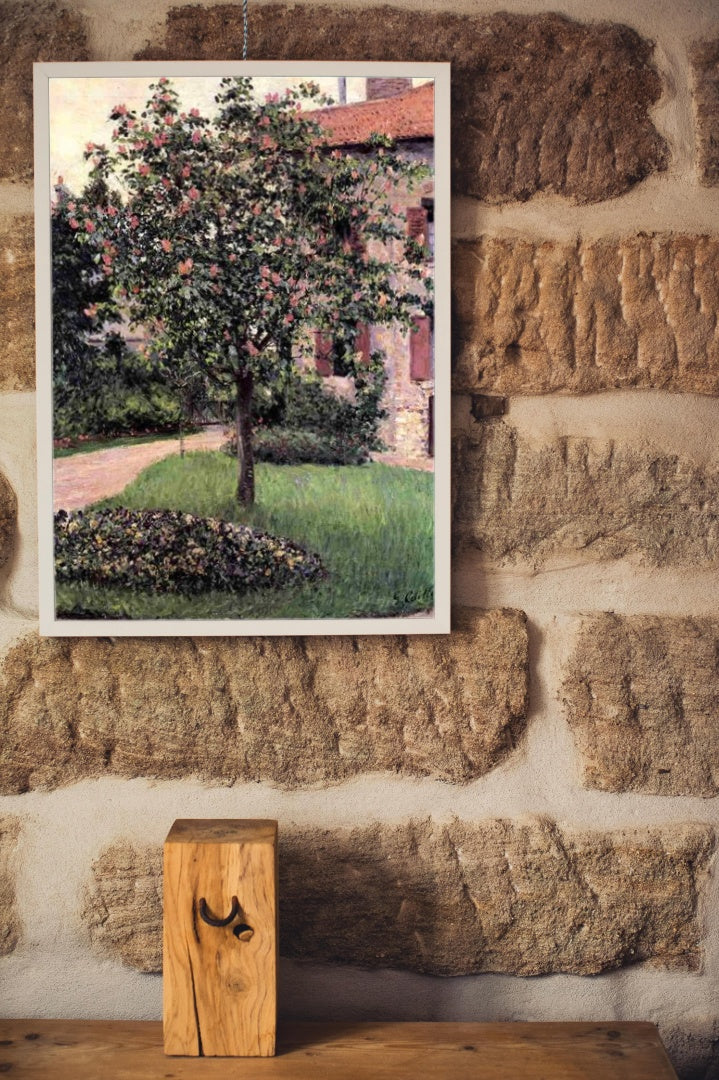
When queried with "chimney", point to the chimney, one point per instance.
{"points": [[384, 88]]}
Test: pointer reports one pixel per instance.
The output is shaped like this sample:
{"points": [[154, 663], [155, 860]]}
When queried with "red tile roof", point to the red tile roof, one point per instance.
{"points": [[405, 116]]}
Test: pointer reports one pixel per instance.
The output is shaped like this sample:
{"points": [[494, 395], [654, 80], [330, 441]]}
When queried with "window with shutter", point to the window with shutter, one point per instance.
{"points": [[331, 355], [417, 219], [420, 348]]}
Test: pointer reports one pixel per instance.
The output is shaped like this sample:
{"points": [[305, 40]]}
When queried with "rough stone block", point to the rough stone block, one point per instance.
{"points": [[288, 710], [520, 501], [17, 303], [537, 317], [705, 61], [9, 919], [8, 518], [522, 897], [539, 102], [30, 33], [642, 698]]}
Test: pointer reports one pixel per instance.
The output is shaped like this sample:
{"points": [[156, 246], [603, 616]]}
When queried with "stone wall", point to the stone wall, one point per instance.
{"points": [[460, 817]]}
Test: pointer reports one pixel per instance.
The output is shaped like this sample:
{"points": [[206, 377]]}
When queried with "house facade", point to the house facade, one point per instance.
{"points": [[405, 113]]}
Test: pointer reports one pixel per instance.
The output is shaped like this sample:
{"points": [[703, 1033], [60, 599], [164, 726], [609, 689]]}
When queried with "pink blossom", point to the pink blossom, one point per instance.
{"points": [[226, 335], [252, 349], [277, 242], [166, 245], [214, 270], [357, 295], [166, 183], [272, 99], [70, 205], [120, 109], [275, 278], [267, 142], [185, 268], [168, 119], [134, 221], [158, 141], [89, 226], [257, 209], [264, 271], [269, 296], [196, 136], [185, 171], [194, 112], [90, 311], [130, 124], [289, 318], [143, 169], [112, 211], [233, 257], [163, 80], [193, 193], [90, 147], [166, 97], [106, 259], [184, 206], [277, 213], [264, 121]]}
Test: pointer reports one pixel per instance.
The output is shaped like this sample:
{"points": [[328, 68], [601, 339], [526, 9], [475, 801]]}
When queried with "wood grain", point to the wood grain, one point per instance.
{"points": [[219, 987], [86, 1050]]}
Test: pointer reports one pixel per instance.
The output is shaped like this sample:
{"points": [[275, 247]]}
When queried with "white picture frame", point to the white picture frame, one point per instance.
{"points": [[51, 146]]}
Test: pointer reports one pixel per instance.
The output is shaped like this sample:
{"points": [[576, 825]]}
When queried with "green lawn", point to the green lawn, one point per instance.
{"points": [[372, 525]]}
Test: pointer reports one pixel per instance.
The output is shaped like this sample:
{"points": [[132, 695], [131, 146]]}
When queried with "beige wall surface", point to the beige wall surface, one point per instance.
{"points": [[515, 822]]}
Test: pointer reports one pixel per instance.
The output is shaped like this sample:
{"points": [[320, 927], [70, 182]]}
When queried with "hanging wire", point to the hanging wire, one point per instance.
{"points": [[244, 29]]}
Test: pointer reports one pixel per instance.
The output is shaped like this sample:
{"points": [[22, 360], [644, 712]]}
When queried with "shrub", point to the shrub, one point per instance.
{"points": [[281, 446], [169, 551]]}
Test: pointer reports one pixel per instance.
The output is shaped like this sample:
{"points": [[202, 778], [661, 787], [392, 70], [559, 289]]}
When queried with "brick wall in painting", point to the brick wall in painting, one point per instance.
{"points": [[536, 794]]}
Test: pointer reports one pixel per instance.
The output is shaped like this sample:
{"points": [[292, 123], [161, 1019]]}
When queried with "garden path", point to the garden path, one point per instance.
{"points": [[81, 479]]}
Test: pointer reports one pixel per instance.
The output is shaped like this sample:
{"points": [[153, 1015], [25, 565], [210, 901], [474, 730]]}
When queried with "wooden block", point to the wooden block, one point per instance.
{"points": [[220, 982]]}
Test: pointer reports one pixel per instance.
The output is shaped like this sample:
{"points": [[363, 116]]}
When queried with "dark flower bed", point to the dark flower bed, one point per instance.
{"points": [[168, 551], [285, 446]]}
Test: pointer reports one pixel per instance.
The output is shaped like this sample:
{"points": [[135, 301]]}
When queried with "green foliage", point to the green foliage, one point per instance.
{"points": [[116, 410], [169, 551], [371, 526], [294, 446], [223, 236]]}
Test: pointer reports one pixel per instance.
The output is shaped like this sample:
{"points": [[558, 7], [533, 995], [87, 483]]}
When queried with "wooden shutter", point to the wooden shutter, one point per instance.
{"points": [[417, 224], [420, 348], [362, 342], [324, 347]]}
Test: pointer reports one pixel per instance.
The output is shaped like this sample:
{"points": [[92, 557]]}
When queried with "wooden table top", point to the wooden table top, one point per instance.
{"points": [[125, 1050]]}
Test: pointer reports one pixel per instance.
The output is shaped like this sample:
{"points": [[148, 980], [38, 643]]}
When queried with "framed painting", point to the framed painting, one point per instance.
{"points": [[243, 348]]}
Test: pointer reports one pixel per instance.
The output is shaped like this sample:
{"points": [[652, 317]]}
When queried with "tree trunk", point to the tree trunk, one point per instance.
{"points": [[245, 459]]}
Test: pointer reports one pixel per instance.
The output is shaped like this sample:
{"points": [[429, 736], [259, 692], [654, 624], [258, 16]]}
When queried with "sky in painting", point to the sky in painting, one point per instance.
{"points": [[79, 109]]}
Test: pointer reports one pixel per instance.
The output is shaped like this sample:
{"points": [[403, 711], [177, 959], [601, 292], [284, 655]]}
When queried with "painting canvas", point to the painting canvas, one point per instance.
{"points": [[243, 348]]}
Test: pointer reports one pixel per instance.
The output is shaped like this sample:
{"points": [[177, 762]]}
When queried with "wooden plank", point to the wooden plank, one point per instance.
{"points": [[87, 1050], [220, 982]]}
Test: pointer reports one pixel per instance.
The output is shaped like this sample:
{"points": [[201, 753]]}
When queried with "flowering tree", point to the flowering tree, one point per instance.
{"points": [[224, 237]]}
